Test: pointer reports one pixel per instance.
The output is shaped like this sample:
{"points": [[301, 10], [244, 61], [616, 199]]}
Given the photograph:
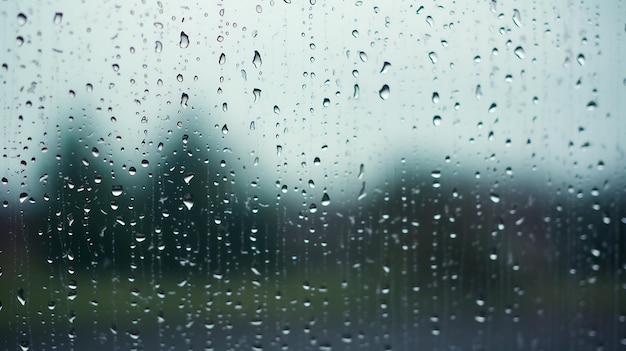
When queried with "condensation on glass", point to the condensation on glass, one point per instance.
{"points": [[313, 175]]}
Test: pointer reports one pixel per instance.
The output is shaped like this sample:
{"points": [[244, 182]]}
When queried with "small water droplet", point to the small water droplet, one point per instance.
{"points": [[20, 297], [58, 17], [256, 60], [225, 129], [158, 47], [326, 102], [435, 98], [222, 59], [581, 59], [385, 68], [362, 192], [384, 92], [519, 52], [184, 99], [355, 33], [188, 201], [356, 92], [184, 40]]}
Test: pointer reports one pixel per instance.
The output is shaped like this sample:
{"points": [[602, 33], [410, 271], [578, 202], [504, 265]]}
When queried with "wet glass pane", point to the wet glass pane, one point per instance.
{"points": [[437, 175]]}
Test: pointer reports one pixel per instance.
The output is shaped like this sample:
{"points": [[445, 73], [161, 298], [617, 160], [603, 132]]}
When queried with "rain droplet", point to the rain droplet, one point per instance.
{"points": [[158, 47], [435, 97], [257, 94], [20, 297], [184, 99], [355, 94], [384, 92], [362, 192], [116, 190], [386, 66], [188, 201], [256, 61], [355, 33], [361, 171], [517, 18], [581, 59], [437, 121], [58, 17], [363, 56], [325, 199], [222, 59], [326, 102], [519, 52], [21, 19], [225, 129], [479, 92], [140, 237], [430, 21], [188, 177], [495, 198], [184, 40], [433, 57]]}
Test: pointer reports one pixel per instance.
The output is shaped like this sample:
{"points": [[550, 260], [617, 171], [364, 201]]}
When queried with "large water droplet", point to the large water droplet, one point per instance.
{"points": [[325, 199], [184, 40], [257, 94], [433, 57], [437, 121], [519, 52], [363, 56], [117, 190], [517, 18], [495, 198], [222, 59], [21, 19]]}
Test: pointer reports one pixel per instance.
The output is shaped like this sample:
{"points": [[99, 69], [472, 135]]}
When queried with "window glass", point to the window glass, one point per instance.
{"points": [[283, 174]]}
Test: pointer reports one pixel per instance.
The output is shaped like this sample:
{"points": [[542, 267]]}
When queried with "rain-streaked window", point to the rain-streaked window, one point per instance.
{"points": [[313, 175]]}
